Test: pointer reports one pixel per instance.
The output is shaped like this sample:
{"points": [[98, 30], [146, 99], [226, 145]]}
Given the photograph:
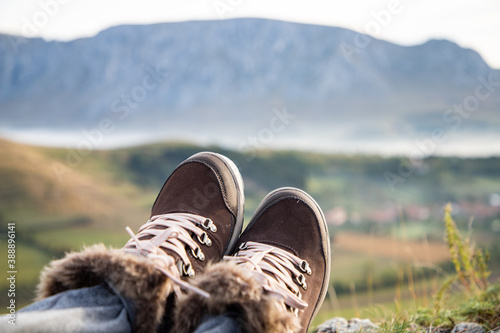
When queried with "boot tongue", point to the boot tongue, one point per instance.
{"points": [[168, 261], [275, 269], [186, 270]]}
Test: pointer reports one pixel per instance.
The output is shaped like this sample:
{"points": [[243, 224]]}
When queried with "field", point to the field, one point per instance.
{"points": [[387, 242]]}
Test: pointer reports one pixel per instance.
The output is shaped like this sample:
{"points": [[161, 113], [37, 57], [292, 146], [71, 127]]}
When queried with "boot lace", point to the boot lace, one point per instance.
{"points": [[172, 232], [275, 269]]}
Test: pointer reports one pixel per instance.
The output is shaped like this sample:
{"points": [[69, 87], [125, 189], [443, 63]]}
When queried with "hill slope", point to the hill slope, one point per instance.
{"points": [[60, 205], [38, 187]]}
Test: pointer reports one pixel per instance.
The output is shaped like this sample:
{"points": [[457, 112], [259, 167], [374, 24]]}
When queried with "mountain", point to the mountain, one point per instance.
{"points": [[223, 81]]}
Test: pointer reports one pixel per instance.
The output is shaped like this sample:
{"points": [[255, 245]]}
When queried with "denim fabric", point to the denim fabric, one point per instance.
{"points": [[218, 324], [93, 310]]}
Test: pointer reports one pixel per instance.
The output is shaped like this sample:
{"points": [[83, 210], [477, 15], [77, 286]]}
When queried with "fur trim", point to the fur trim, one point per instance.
{"points": [[133, 276], [233, 290]]}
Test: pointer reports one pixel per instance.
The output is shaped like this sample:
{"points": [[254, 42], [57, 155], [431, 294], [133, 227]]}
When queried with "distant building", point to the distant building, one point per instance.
{"points": [[336, 216]]}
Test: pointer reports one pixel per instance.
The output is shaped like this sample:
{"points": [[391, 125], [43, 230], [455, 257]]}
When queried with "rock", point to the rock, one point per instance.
{"points": [[437, 330], [361, 325], [341, 325], [468, 328], [356, 325], [334, 325]]}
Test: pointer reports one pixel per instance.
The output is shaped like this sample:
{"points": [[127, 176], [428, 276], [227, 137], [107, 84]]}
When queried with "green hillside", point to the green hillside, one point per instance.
{"points": [[61, 199]]}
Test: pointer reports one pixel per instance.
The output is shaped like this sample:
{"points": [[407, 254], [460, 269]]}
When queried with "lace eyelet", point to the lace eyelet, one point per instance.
{"points": [[209, 224], [301, 280], [188, 270], [304, 267], [198, 254], [205, 240]]}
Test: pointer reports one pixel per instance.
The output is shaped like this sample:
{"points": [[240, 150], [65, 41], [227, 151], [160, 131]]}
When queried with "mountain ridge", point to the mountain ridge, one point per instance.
{"points": [[161, 77]]}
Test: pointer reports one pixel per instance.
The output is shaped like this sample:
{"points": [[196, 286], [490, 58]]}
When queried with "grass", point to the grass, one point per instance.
{"points": [[347, 264], [32, 254], [471, 277], [384, 301], [63, 240], [465, 295], [29, 262], [439, 301], [416, 231], [391, 248]]}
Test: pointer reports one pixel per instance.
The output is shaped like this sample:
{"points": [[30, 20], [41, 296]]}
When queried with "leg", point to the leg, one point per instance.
{"points": [[95, 309], [226, 323]]}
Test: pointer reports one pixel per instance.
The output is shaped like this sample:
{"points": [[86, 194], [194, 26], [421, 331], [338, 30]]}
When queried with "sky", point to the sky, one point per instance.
{"points": [[473, 24]]}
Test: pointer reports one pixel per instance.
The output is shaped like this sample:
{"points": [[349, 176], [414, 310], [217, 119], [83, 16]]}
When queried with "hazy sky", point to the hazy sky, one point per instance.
{"points": [[474, 24]]}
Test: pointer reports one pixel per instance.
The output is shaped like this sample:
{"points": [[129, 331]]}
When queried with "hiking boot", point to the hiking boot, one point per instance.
{"points": [[202, 201], [206, 191], [196, 219], [287, 240], [278, 278]]}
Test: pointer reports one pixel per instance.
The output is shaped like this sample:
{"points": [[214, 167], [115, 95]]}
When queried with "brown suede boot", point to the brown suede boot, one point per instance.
{"points": [[277, 280], [196, 219], [208, 185]]}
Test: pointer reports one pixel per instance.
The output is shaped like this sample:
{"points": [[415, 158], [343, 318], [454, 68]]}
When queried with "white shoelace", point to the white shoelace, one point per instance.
{"points": [[172, 232], [275, 269]]}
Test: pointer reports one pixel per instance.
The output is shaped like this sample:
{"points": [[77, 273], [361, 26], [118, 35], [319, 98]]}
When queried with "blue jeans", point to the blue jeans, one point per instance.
{"points": [[93, 310]]}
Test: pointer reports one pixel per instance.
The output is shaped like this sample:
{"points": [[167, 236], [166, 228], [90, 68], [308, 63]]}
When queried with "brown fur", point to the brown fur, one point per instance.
{"points": [[134, 277], [233, 290]]}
